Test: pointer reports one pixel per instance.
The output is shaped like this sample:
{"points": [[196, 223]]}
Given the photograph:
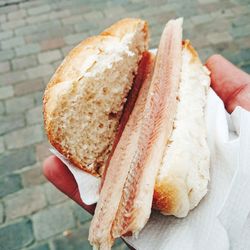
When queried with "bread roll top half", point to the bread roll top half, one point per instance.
{"points": [[83, 101], [184, 174]]}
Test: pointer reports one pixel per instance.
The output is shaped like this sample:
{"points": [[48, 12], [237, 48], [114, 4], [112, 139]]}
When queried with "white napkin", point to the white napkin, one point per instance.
{"points": [[221, 219]]}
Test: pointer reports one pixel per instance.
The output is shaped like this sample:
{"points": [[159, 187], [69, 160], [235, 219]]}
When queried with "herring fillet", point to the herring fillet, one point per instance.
{"points": [[126, 196], [135, 205], [117, 171]]}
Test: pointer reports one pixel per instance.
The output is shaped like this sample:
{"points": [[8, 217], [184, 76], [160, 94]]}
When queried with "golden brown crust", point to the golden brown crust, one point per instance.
{"points": [[70, 70], [186, 44], [125, 26], [165, 196]]}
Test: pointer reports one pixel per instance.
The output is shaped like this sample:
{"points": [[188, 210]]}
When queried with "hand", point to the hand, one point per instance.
{"points": [[229, 82]]}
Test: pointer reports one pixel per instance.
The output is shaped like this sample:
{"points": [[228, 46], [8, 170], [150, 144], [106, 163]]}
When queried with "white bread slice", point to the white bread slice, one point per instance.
{"points": [[183, 177], [84, 99]]}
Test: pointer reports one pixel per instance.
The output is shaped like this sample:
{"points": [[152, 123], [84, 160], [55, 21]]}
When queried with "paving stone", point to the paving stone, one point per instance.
{"points": [[4, 67], [24, 62], [2, 109], [67, 49], [9, 2], [26, 202], [246, 67], [241, 20], [84, 26], [6, 34], [33, 175], [53, 43], [42, 151], [1, 145], [13, 24], [39, 10], [28, 87], [76, 240], [52, 221], [221, 37], [16, 159], [80, 214], [40, 71], [241, 31], [53, 195], [207, 1], [12, 77], [11, 183], [80, 9], [49, 56], [204, 53], [1, 213], [52, 33], [16, 235], [240, 10], [8, 8], [50, 25], [118, 10], [3, 18], [40, 247], [93, 15], [27, 49], [199, 19], [73, 19], [6, 92], [26, 30], [34, 115], [59, 14], [220, 14], [24, 137], [38, 96], [19, 14], [30, 4], [6, 55], [244, 55], [19, 104], [243, 42], [10, 123], [76, 38], [37, 18], [56, 64]]}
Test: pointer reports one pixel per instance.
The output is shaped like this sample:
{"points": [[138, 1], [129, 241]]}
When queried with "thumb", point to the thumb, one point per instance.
{"points": [[230, 83]]}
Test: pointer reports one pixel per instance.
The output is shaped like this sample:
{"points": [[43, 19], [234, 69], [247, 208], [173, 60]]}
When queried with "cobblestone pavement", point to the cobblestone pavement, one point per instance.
{"points": [[34, 38]]}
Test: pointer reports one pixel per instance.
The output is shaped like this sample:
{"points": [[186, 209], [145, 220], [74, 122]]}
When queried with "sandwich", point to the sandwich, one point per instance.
{"points": [[137, 120]]}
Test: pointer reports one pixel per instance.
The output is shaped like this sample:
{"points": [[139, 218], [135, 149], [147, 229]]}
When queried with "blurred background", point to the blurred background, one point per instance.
{"points": [[35, 35]]}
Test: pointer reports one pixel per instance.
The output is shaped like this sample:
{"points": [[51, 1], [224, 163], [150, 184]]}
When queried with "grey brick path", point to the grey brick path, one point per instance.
{"points": [[35, 35]]}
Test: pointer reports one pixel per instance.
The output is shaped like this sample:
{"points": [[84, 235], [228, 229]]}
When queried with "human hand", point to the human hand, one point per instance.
{"points": [[229, 82]]}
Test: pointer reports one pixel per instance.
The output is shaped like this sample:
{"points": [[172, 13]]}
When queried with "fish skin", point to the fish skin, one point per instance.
{"points": [[117, 171], [161, 108], [130, 103], [126, 196]]}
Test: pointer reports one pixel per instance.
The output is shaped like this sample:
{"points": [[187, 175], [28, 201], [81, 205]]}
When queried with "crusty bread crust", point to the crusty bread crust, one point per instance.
{"points": [[70, 70]]}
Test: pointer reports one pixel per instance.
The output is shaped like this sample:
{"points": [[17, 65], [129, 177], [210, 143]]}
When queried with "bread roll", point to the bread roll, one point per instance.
{"points": [[84, 99]]}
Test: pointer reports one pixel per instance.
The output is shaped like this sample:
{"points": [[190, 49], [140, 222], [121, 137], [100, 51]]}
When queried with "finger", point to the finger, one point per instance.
{"points": [[230, 83], [57, 173]]}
